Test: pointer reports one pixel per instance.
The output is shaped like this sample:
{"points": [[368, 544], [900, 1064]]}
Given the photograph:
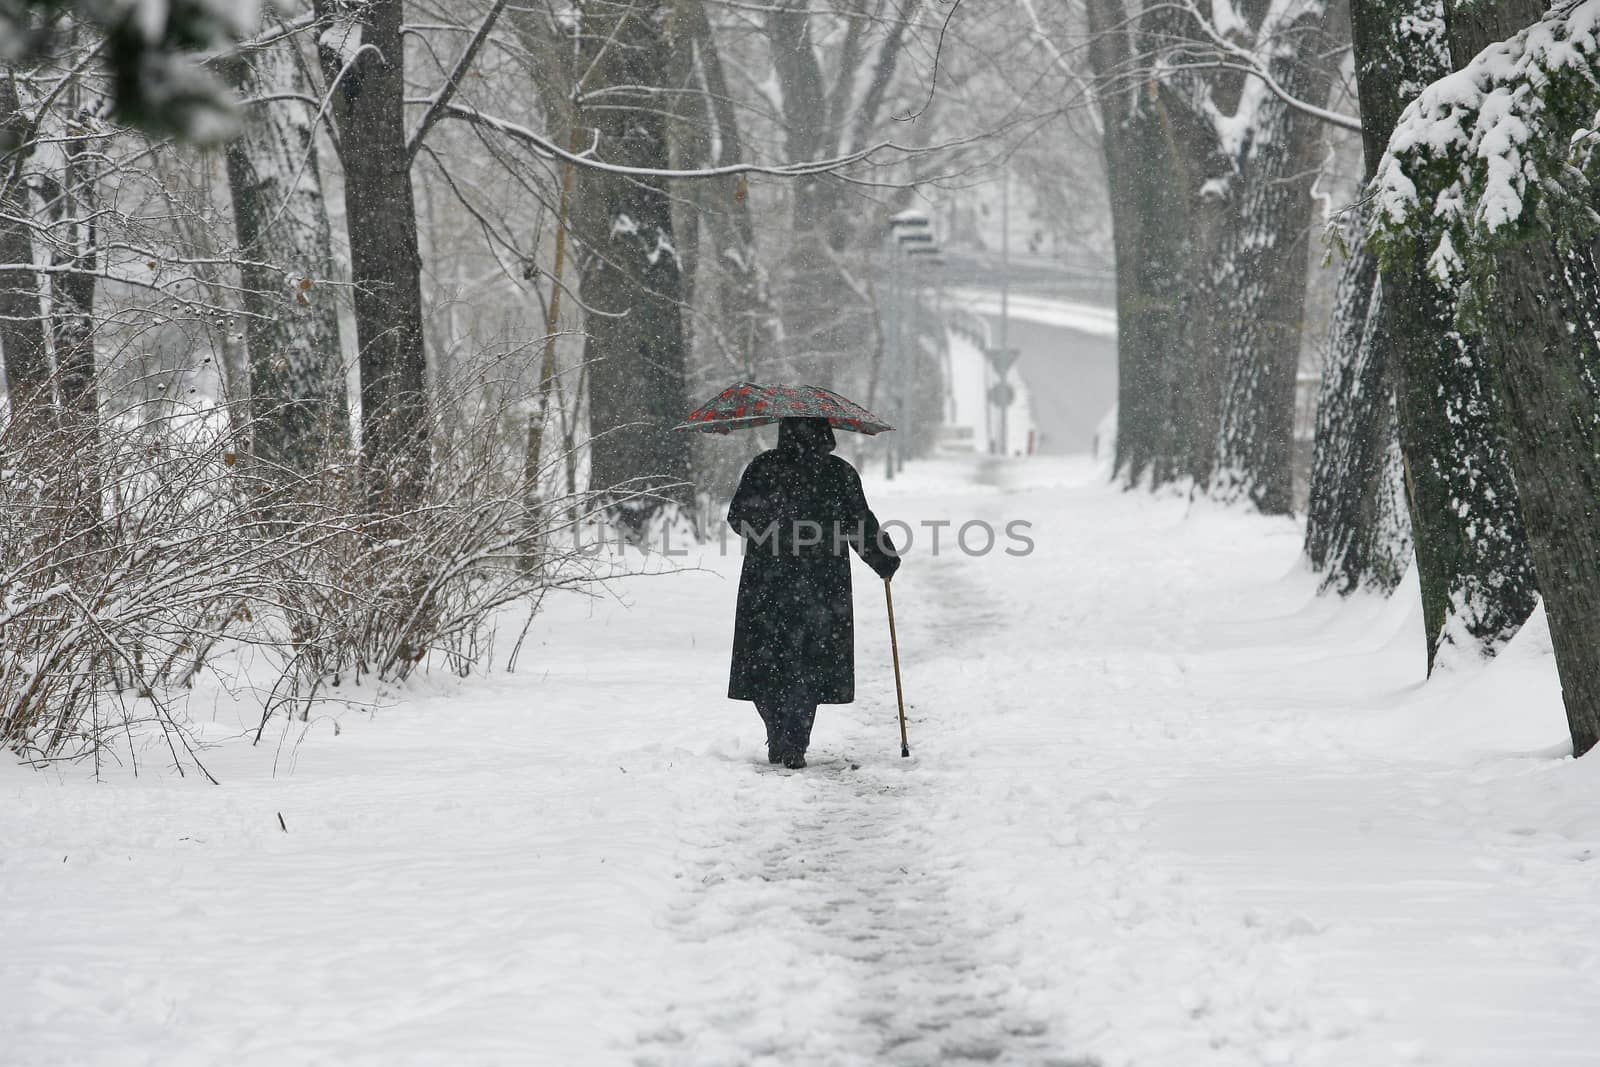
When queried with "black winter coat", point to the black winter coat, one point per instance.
{"points": [[800, 511]]}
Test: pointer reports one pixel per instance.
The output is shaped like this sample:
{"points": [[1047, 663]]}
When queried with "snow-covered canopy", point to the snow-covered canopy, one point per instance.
{"points": [[1500, 149]]}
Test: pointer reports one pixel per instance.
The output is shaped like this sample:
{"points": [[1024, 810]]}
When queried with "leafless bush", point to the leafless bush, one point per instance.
{"points": [[139, 551], [126, 556], [369, 594]]}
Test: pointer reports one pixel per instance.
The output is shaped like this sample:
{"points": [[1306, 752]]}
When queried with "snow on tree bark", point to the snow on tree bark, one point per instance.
{"points": [[1487, 183], [362, 49], [1258, 286], [1358, 532], [298, 409], [152, 51], [1160, 259], [631, 280], [1209, 176], [1472, 553], [1475, 571]]}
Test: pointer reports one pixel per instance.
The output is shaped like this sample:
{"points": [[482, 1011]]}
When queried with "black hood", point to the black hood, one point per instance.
{"points": [[806, 435]]}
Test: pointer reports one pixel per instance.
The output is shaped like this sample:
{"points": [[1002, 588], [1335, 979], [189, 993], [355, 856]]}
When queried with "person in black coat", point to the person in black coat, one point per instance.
{"points": [[799, 511]]}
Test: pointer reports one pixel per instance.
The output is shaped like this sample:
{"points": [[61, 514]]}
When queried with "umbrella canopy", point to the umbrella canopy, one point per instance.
{"points": [[746, 404]]}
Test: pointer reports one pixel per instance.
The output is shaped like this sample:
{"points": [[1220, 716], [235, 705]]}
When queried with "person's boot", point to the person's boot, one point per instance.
{"points": [[774, 741]]}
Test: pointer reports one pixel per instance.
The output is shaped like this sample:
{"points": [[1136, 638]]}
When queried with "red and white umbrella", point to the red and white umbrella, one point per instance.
{"points": [[745, 404]]}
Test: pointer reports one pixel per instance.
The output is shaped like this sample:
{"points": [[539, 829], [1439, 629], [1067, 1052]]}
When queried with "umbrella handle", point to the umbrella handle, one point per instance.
{"points": [[899, 693]]}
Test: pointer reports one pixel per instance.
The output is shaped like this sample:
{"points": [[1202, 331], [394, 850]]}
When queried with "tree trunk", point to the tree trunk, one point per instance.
{"points": [[1259, 287], [747, 321], [1547, 356], [631, 280], [362, 48], [1154, 179], [1544, 346], [1153, 153], [22, 327], [825, 316], [1471, 549], [818, 310], [72, 294], [735, 332], [1358, 533], [299, 416], [72, 298]]}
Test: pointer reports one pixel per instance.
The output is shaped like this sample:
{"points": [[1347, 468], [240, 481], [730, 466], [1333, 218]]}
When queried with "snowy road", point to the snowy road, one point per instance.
{"points": [[1165, 807]]}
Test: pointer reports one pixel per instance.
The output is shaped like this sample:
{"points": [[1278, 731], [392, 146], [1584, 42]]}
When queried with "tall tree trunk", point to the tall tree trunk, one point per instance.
{"points": [[735, 332], [1471, 548], [298, 410], [22, 327], [1154, 177], [1547, 355], [363, 51], [1153, 153], [1358, 529], [1544, 346], [747, 321], [814, 303], [824, 314], [72, 293], [631, 280], [1260, 276], [72, 298], [1358, 533]]}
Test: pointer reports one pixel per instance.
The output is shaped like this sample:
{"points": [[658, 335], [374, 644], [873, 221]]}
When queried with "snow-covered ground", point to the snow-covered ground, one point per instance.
{"points": [[1165, 807]]}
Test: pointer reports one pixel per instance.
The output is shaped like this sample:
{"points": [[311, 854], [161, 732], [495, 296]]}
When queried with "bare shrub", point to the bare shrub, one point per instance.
{"points": [[138, 551], [126, 556]]}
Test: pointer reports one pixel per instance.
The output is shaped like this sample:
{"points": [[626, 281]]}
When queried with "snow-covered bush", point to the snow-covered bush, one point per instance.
{"points": [[1501, 151]]}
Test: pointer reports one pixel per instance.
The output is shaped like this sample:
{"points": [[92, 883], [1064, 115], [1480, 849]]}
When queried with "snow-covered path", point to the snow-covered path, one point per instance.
{"points": [[845, 903], [1165, 807]]}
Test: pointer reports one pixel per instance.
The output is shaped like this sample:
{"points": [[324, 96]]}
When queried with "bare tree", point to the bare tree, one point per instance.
{"points": [[22, 325], [831, 100], [299, 412], [363, 62], [631, 278]]}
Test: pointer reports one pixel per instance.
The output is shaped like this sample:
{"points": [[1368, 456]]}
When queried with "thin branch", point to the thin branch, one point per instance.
{"points": [[1250, 64], [441, 99], [549, 148], [282, 29], [933, 77]]}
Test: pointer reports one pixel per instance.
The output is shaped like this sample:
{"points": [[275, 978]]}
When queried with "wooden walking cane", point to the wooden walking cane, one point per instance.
{"points": [[899, 694]]}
